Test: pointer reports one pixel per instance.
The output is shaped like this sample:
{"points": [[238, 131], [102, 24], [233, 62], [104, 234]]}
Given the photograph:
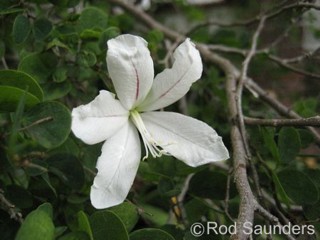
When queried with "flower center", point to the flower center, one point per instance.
{"points": [[149, 142]]}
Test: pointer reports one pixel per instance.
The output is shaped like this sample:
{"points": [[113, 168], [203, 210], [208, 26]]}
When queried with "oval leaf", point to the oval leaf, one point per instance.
{"points": [[128, 213], [68, 168], [150, 234], [42, 28], [93, 18], [298, 187], [10, 97], [22, 81], [288, 144], [39, 65], [48, 123], [209, 184], [83, 224], [106, 225], [37, 226], [21, 29]]}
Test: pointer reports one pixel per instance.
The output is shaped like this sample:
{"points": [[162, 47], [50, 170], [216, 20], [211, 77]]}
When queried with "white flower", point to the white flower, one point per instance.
{"points": [[105, 118]]}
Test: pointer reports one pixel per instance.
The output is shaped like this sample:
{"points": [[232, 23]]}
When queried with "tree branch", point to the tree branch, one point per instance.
{"points": [[312, 121], [277, 105], [10, 208]]}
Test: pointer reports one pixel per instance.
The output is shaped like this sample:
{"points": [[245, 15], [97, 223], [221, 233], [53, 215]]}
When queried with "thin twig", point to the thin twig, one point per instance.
{"points": [[4, 63], [40, 121], [277, 105], [6, 205], [284, 64], [312, 121], [268, 15], [242, 78]]}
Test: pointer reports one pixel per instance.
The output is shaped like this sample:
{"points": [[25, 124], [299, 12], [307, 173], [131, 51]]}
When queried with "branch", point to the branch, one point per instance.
{"points": [[148, 20], [242, 78], [10, 208], [278, 106], [312, 121], [284, 64], [268, 15]]}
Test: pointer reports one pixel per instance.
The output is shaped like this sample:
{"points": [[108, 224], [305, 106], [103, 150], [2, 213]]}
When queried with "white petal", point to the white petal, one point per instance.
{"points": [[188, 139], [99, 119], [172, 84], [117, 167], [131, 68]]}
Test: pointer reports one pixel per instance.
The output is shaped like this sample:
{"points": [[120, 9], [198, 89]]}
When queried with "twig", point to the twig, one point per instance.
{"points": [[278, 106], [268, 15], [243, 76], [10, 208], [43, 120], [285, 64], [148, 20], [312, 121], [4, 63], [227, 197]]}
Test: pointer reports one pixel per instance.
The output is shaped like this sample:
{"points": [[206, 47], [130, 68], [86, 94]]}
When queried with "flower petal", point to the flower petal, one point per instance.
{"points": [[99, 119], [188, 139], [131, 68], [117, 167], [172, 84]]}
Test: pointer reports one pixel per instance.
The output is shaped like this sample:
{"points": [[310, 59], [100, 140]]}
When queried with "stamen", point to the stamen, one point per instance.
{"points": [[150, 144]]}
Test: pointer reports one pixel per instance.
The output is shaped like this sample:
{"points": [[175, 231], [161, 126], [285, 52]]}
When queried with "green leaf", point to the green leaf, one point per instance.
{"points": [[106, 225], [109, 33], [288, 144], [268, 138], [22, 81], [154, 214], [75, 236], [42, 28], [10, 96], [306, 107], [280, 190], [55, 90], [93, 18], [312, 211], [128, 213], [84, 224], [48, 123], [298, 187], [21, 29], [306, 137], [87, 58], [169, 166], [68, 168], [47, 208], [211, 184], [167, 188], [38, 225], [195, 209], [150, 234], [39, 65]]}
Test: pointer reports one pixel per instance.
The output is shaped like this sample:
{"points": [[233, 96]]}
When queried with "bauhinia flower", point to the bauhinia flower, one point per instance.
{"points": [[118, 122]]}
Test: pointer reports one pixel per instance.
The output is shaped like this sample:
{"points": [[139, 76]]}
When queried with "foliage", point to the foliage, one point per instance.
{"points": [[53, 59]]}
